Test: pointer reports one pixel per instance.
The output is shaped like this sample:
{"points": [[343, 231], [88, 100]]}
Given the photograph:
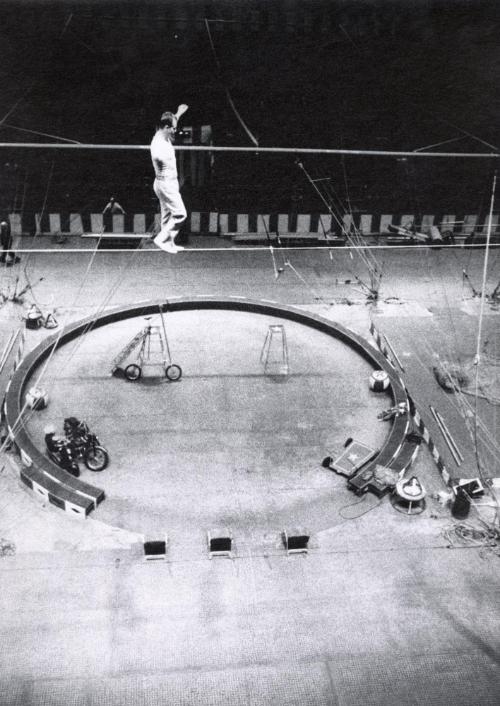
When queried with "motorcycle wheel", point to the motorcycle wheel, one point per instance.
{"points": [[173, 372], [133, 372], [96, 458]]}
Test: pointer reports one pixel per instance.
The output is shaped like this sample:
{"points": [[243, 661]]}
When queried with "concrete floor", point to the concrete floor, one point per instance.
{"points": [[381, 611]]}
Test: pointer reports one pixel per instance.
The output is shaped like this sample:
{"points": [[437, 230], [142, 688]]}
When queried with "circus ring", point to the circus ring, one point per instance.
{"points": [[79, 496]]}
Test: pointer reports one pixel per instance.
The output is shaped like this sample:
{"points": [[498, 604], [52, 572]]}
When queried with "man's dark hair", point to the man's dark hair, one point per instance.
{"points": [[167, 119]]}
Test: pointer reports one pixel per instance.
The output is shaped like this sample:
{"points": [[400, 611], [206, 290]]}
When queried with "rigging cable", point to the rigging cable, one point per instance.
{"points": [[481, 311], [37, 132], [226, 89], [354, 238]]}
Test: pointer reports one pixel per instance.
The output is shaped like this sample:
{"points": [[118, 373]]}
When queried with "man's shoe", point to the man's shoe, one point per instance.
{"points": [[168, 246], [165, 245]]}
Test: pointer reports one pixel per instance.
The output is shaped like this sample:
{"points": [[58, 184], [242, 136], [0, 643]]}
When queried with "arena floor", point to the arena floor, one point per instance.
{"points": [[384, 610]]}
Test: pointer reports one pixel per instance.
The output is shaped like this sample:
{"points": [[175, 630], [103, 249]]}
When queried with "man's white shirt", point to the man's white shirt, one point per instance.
{"points": [[163, 157]]}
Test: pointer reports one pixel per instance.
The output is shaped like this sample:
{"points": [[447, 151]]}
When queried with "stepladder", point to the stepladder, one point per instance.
{"points": [[148, 348], [274, 354]]}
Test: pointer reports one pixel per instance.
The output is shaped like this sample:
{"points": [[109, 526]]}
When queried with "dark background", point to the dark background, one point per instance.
{"points": [[302, 73]]}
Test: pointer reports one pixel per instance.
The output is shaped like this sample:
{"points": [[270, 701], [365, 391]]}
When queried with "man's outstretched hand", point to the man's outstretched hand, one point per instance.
{"points": [[181, 110]]}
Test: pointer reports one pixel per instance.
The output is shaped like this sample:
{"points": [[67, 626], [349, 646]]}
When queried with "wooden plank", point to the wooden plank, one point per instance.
{"points": [[119, 236]]}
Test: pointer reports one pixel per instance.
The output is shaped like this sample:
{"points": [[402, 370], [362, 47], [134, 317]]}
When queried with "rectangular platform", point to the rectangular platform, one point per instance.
{"points": [[352, 458]]}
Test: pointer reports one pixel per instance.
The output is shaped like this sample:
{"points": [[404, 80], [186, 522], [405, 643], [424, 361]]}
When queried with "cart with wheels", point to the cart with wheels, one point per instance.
{"points": [[151, 348]]}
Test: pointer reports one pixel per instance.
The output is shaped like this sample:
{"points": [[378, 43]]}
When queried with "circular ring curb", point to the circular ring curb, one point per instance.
{"points": [[72, 494]]}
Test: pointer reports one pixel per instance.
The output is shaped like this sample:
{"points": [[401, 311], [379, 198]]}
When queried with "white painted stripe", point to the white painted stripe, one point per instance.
{"points": [[195, 222], [118, 223], [324, 223], [213, 224], [385, 220], [283, 223], [74, 509], [448, 222], [54, 222], [262, 223], [347, 221], [407, 220], [242, 223], [96, 222], [469, 224], [303, 223], [494, 224], [15, 223], [427, 221], [27, 460], [75, 224], [40, 490], [139, 223], [223, 222], [365, 223]]}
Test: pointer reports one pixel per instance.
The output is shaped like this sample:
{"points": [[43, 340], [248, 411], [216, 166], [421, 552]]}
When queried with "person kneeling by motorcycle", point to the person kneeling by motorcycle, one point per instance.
{"points": [[59, 450]]}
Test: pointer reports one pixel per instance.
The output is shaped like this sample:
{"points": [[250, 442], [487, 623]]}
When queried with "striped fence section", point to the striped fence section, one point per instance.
{"points": [[414, 413], [20, 350], [381, 345], [217, 223], [420, 425], [21, 334]]}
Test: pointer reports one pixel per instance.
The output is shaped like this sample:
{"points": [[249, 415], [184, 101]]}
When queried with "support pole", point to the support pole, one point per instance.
{"points": [[445, 436]]}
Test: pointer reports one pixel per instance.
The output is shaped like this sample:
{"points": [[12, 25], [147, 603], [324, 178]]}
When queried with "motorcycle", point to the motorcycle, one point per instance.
{"points": [[60, 452], [85, 445]]}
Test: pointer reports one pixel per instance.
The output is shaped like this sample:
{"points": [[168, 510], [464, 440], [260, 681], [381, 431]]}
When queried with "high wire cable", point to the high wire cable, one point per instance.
{"points": [[256, 248], [269, 150]]}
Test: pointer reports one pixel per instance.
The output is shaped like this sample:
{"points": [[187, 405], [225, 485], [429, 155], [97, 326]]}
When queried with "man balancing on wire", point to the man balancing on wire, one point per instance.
{"points": [[166, 185]]}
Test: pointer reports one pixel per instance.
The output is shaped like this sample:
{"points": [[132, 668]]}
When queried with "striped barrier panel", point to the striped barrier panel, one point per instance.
{"points": [[379, 340], [414, 413], [44, 478], [20, 350], [53, 483], [438, 460], [220, 223]]}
